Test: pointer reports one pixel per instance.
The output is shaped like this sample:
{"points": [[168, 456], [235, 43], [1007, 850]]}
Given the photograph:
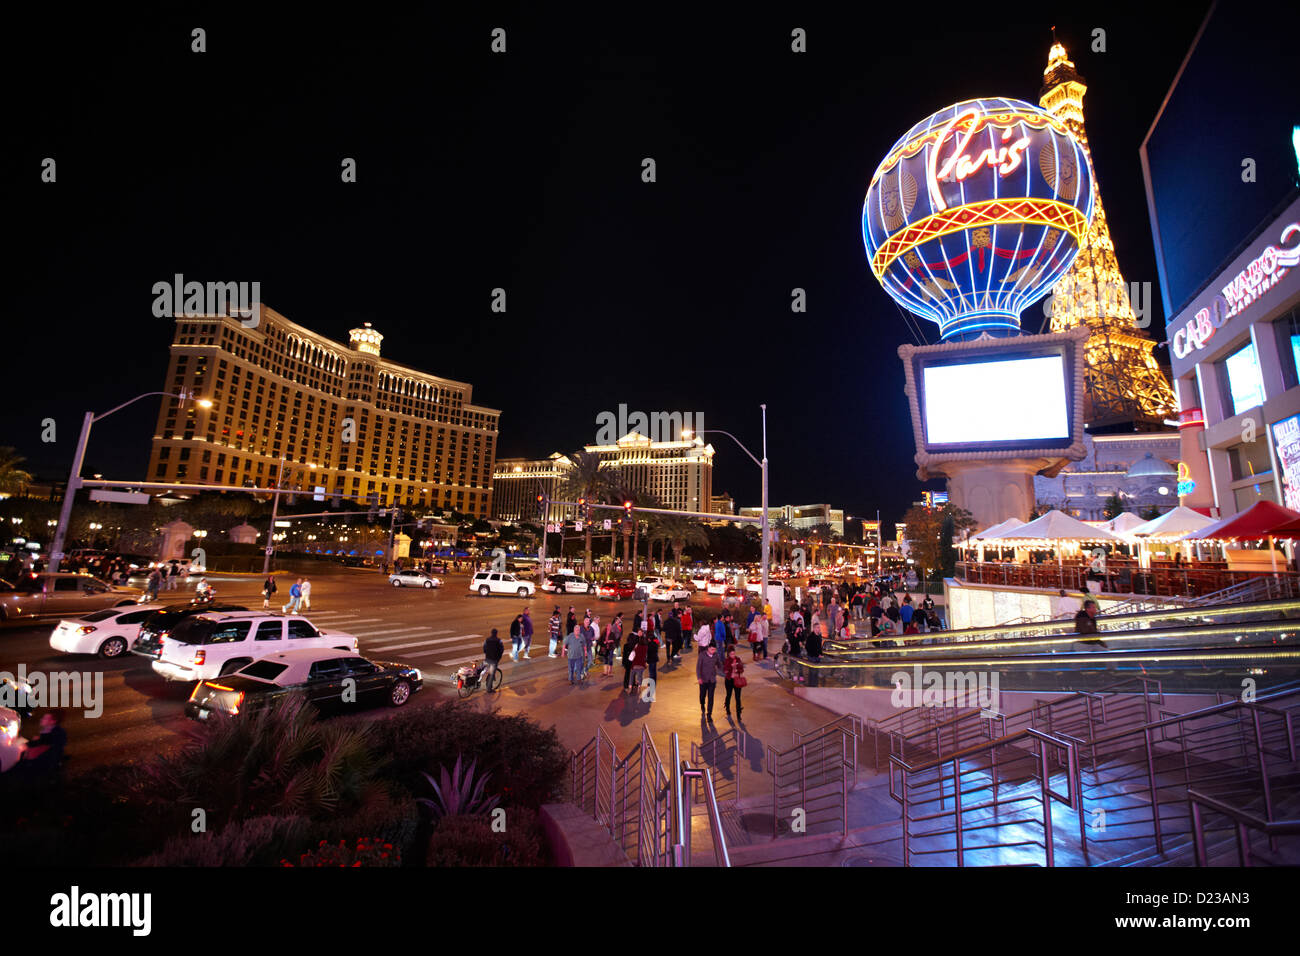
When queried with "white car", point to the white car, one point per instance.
{"points": [[501, 582], [108, 633], [670, 592], [700, 581], [209, 645], [11, 745], [650, 582], [410, 578], [567, 582], [716, 585]]}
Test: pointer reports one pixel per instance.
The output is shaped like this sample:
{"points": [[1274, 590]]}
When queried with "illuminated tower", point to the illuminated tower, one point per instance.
{"points": [[1123, 382]]}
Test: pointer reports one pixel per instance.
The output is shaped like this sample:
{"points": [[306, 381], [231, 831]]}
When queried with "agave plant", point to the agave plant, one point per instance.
{"points": [[458, 793]]}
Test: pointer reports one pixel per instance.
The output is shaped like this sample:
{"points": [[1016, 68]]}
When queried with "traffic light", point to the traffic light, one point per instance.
{"points": [[627, 508]]}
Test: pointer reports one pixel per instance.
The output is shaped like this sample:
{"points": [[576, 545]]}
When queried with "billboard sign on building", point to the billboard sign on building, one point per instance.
{"points": [[1286, 439]]}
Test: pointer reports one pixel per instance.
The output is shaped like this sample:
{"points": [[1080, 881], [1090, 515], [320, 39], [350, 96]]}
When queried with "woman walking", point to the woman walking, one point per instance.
{"points": [[733, 673], [640, 654], [268, 588]]}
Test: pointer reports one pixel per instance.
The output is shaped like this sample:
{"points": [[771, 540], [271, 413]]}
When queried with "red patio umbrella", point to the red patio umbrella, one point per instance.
{"points": [[1263, 519]]}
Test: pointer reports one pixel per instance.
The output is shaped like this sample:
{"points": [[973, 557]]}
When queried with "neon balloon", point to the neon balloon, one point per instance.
{"points": [[1007, 197]]}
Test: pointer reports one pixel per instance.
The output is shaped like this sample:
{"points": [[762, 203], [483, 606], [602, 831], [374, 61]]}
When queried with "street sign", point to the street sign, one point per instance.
{"points": [[270, 550], [320, 493], [608, 524], [120, 497], [577, 526]]}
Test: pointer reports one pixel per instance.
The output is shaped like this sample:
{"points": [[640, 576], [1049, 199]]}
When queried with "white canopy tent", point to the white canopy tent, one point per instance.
{"points": [[1173, 525], [1055, 526], [1123, 524]]}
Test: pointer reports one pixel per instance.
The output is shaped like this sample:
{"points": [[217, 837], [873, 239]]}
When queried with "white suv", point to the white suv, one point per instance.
{"points": [[209, 645], [500, 582]]}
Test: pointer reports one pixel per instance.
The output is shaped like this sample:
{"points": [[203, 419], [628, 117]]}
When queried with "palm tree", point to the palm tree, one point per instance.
{"points": [[12, 478], [681, 532], [587, 479], [784, 538]]}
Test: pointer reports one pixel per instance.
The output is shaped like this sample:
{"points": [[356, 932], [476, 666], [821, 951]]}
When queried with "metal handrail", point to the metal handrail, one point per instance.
{"points": [[684, 776], [1072, 799], [1245, 822], [821, 770]]}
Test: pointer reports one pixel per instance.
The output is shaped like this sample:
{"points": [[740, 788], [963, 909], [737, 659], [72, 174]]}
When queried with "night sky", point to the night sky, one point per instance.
{"points": [[523, 171]]}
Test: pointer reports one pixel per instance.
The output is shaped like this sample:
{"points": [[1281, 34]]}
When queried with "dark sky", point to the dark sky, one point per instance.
{"points": [[522, 171]]}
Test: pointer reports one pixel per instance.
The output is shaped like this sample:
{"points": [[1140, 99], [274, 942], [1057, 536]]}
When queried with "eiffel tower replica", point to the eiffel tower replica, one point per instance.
{"points": [[1124, 386]]}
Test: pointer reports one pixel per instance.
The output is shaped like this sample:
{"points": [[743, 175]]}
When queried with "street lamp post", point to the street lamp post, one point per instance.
{"points": [[762, 465], [74, 476]]}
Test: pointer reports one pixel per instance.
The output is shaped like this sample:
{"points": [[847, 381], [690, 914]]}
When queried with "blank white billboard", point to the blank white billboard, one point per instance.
{"points": [[1010, 400]]}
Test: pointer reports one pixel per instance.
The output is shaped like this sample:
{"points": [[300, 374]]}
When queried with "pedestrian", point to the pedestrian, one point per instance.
{"points": [[268, 589], [795, 635], [587, 634], [673, 636], [609, 643], [653, 644], [43, 755], [815, 644], [516, 630], [154, 583], [704, 635], [306, 594], [733, 673], [555, 631], [493, 651], [640, 654], [526, 633], [173, 576], [706, 675], [764, 631], [720, 633], [688, 622], [628, 645], [295, 598], [577, 658], [906, 612], [1085, 622]]}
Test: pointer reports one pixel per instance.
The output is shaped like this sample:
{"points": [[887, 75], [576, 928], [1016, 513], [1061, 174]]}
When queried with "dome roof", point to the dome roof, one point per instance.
{"points": [[1152, 467]]}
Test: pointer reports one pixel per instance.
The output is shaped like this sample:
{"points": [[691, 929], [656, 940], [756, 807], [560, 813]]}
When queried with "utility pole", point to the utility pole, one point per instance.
{"points": [[275, 513], [763, 529]]}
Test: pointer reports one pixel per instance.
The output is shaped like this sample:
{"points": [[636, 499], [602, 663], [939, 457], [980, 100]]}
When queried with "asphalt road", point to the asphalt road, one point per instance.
{"points": [[435, 630]]}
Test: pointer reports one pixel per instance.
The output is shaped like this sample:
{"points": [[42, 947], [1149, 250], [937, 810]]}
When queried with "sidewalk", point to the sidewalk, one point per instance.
{"points": [[539, 689]]}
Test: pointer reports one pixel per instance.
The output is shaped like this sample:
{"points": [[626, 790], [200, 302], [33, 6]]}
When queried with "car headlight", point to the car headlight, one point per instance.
{"points": [[11, 730], [416, 673]]}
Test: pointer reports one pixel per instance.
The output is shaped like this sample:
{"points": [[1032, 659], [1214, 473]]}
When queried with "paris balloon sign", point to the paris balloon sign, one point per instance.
{"points": [[975, 213]]}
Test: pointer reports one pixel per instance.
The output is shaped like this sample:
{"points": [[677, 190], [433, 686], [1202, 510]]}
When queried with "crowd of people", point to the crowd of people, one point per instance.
{"points": [[661, 636]]}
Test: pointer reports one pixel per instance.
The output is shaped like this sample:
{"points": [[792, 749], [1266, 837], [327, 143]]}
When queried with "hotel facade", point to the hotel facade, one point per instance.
{"points": [[329, 417], [679, 474]]}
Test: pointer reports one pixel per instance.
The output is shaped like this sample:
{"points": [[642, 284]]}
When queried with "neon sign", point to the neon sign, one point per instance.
{"points": [[1185, 484], [1004, 160], [976, 212], [1246, 288]]}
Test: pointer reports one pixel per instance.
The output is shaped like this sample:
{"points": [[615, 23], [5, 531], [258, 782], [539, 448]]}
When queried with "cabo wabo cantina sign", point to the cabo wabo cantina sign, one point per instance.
{"points": [[1246, 288], [975, 213]]}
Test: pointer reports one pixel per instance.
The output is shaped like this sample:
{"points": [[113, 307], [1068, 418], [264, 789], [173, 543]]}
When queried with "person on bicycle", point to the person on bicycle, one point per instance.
{"points": [[493, 650]]}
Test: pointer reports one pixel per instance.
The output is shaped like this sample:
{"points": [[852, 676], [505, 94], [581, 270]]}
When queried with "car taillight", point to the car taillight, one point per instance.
{"points": [[85, 629], [199, 658], [239, 699]]}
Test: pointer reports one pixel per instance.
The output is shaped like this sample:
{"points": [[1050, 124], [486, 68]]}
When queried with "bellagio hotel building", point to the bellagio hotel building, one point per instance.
{"points": [[339, 416]]}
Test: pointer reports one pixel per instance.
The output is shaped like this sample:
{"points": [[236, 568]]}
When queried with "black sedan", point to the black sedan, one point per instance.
{"points": [[148, 642], [332, 681]]}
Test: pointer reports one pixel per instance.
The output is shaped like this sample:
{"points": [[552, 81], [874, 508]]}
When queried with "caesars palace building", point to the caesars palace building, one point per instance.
{"points": [[1222, 164]]}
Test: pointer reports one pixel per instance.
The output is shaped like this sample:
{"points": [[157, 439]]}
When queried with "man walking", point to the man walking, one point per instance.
{"points": [[493, 650], [673, 636], [577, 657], [706, 675], [295, 598], [516, 629], [526, 633], [555, 631], [306, 594], [268, 588], [586, 634]]}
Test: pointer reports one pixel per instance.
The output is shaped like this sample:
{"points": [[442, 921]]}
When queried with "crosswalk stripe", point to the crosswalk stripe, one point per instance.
{"points": [[459, 660], [410, 629], [398, 647]]}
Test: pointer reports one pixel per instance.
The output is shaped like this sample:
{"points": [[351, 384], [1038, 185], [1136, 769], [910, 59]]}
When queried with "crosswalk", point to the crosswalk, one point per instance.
{"points": [[414, 641]]}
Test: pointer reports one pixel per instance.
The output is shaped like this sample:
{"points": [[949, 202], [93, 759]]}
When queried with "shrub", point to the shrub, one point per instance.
{"points": [[277, 760], [365, 852], [458, 792], [524, 764], [257, 841], [470, 841]]}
